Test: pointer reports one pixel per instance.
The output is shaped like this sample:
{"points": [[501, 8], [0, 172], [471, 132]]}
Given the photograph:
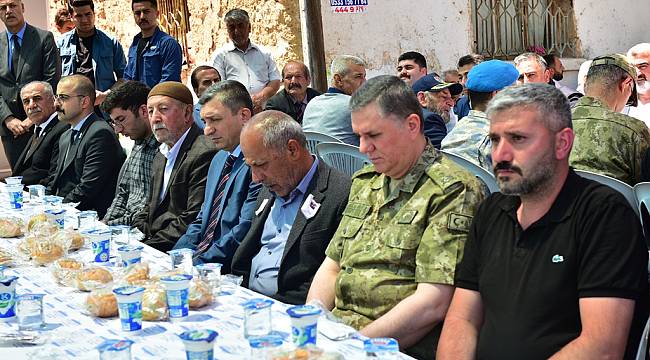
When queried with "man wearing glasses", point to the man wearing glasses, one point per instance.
{"points": [[90, 155], [127, 106]]}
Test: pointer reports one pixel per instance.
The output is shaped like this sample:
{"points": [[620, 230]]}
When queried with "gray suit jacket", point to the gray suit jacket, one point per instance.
{"points": [[308, 238], [39, 60]]}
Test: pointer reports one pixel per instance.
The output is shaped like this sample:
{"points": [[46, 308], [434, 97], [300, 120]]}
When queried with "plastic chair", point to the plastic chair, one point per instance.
{"points": [[343, 157], [615, 184], [642, 194], [483, 175], [314, 138], [643, 344]]}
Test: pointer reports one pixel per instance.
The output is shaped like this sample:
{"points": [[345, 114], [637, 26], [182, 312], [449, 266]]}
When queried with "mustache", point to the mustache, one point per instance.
{"points": [[60, 110], [158, 126], [295, 86], [506, 165], [35, 110]]}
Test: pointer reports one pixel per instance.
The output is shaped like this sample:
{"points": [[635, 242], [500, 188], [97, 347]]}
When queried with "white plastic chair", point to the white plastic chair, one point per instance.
{"points": [[343, 157], [642, 194], [618, 185], [314, 138], [643, 344], [483, 175]]}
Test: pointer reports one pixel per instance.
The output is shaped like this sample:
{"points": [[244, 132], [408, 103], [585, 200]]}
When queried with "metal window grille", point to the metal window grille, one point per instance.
{"points": [[506, 28]]}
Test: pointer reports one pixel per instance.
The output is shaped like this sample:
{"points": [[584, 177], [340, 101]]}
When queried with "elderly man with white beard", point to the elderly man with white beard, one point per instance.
{"points": [[639, 56]]}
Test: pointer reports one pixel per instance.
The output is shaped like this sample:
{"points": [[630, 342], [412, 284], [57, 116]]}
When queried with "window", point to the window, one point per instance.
{"points": [[506, 28]]}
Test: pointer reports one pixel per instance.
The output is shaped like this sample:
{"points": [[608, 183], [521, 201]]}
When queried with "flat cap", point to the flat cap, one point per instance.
{"points": [[174, 90], [492, 75], [432, 84]]}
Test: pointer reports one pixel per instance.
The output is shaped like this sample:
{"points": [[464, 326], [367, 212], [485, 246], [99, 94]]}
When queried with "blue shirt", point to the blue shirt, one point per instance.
{"points": [[197, 116], [10, 43], [462, 107], [266, 264], [161, 60]]}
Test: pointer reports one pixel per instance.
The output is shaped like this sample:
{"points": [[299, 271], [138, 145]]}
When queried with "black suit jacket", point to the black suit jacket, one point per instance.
{"points": [[89, 173], [37, 166], [39, 60], [165, 222], [282, 101], [308, 238]]}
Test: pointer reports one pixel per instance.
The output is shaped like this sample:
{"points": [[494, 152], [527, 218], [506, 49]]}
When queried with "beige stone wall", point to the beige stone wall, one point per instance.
{"points": [[275, 24]]}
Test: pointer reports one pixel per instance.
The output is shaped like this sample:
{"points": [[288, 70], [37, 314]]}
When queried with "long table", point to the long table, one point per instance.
{"points": [[71, 333]]}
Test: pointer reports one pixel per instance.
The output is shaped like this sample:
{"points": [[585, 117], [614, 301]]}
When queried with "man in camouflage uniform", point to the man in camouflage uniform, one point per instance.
{"points": [[469, 138], [390, 266], [608, 142]]}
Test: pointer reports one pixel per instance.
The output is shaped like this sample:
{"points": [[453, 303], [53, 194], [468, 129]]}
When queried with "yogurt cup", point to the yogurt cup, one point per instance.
{"points": [[304, 321], [115, 350], [101, 243], [130, 254], [199, 344], [129, 305], [14, 180], [57, 216], [36, 193], [15, 193], [382, 348], [8, 298], [262, 346], [178, 289]]}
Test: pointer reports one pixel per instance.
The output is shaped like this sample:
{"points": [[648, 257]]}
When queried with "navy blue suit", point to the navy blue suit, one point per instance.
{"points": [[434, 127], [234, 218]]}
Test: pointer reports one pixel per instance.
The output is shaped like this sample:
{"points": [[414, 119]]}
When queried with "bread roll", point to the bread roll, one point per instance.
{"points": [[200, 294], [10, 228], [92, 278], [102, 304], [46, 252]]}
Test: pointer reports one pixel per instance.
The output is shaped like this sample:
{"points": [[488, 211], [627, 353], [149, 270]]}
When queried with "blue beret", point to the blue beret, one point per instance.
{"points": [[492, 75], [431, 83]]}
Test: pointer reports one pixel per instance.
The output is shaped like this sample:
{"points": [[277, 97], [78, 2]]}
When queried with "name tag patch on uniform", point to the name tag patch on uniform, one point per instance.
{"points": [[458, 222]]}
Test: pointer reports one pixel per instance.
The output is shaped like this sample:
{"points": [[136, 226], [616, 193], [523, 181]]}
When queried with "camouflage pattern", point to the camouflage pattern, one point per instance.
{"points": [[469, 139], [387, 242], [608, 142]]}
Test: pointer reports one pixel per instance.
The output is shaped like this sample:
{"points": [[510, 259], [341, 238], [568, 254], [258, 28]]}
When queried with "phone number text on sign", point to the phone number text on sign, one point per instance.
{"points": [[349, 6]]}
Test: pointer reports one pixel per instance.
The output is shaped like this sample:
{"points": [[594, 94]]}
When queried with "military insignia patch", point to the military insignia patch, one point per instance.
{"points": [[459, 222]]}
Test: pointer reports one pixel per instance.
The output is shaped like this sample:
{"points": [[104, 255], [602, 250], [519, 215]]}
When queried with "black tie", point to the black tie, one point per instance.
{"points": [[73, 137], [32, 145], [15, 54], [300, 111]]}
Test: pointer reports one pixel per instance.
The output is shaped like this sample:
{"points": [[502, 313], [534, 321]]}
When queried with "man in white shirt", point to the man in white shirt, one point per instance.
{"points": [[639, 56], [179, 171], [246, 62]]}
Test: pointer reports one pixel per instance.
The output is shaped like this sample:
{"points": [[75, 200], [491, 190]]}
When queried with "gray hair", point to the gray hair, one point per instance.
{"points": [[46, 86], [232, 94], [237, 15], [393, 97], [531, 56], [552, 105], [341, 65], [638, 49], [605, 76], [276, 128]]}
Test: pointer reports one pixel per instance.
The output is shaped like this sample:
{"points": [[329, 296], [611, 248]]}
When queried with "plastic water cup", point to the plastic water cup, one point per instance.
{"points": [[263, 346], [120, 234], [182, 259], [15, 193], [257, 317], [2, 271], [130, 254], [115, 350], [53, 201], [211, 274], [29, 309], [178, 289], [14, 180], [304, 324], [86, 220], [8, 298], [199, 344], [381, 348], [36, 193], [129, 306], [101, 243], [57, 216]]}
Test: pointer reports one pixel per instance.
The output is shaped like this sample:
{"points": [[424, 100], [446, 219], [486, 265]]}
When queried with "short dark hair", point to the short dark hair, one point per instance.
{"points": [[128, 95], [81, 84], [305, 69], [392, 96], [79, 3], [237, 15], [232, 94], [154, 3], [550, 59], [415, 56], [479, 99], [193, 80], [470, 59], [62, 16]]}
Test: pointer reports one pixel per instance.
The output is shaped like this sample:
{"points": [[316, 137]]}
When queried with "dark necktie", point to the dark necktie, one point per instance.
{"points": [[73, 138], [32, 145], [15, 54], [216, 206], [300, 111]]}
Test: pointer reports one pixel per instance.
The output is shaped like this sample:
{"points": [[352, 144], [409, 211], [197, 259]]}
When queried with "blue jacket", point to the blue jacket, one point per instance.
{"points": [[161, 60], [462, 107], [434, 127], [108, 58], [237, 209]]}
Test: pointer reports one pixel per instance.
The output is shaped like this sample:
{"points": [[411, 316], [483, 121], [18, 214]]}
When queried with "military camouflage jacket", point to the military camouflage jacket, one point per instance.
{"points": [[608, 142], [387, 243], [469, 139]]}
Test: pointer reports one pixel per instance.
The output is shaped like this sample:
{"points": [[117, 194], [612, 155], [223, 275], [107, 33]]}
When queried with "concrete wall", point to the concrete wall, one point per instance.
{"points": [[439, 29]]}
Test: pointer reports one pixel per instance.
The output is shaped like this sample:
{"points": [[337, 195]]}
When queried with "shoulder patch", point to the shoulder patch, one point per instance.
{"points": [[459, 222]]}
